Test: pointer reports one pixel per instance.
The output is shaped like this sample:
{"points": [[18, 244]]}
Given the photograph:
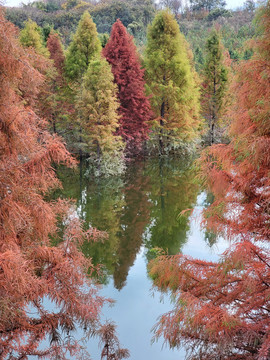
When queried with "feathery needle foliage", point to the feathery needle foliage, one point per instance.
{"points": [[32, 271], [97, 106], [172, 82], [222, 309], [134, 110]]}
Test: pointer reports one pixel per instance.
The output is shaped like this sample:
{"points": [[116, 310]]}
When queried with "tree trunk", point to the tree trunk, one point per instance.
{"points": [[214, 112], [80, 141], [212, 137], [162, 114]]}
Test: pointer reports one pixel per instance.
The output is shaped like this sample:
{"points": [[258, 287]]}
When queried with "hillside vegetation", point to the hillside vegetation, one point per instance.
{"points": [[236, 26]]}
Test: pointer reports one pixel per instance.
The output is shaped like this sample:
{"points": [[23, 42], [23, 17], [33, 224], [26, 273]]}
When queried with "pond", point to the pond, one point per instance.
{"points": [[140, 211]]}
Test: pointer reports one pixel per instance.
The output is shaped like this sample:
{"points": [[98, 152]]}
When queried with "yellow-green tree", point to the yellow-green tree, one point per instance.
{"points": [[84, 47], [215, 83], [172, 82], [30, 36], [97, 107]]}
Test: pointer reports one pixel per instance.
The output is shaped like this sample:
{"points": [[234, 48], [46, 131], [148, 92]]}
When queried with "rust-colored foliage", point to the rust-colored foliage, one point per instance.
{"points": [[111, 346], [135, 112], [56, 51], [222, 309], [32, 271]]}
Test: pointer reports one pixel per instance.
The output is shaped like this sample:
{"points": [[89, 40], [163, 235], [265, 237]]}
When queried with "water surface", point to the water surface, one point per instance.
{"points": [[140, 211]]}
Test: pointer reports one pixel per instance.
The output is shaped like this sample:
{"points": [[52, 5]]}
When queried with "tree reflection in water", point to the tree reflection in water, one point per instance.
{"points": [[141, 208]]}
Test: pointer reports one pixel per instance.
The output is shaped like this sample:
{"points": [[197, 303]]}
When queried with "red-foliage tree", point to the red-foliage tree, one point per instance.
{"points": [[121, 53], [32, 271], [56, 51], [222, 309]]}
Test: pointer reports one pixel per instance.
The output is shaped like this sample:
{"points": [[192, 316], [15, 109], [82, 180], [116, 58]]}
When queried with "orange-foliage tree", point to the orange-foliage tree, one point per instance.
{"points": [[34, 273], [222, 309]]}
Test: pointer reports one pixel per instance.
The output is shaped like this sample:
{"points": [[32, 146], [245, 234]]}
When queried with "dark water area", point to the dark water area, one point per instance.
{"points": [[141, 212]]}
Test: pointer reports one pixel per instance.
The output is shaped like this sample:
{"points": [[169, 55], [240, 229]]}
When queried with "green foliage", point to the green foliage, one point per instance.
{"points": [[106, 15], [171, 80], [135, 14], [103, 38], [97, 107], [84, 47], [198, 57], [235, 31], [169, 231], [46, 29], [31, 36], [206, 5], [215, 82], [49, 6], [65, 18], [216, 13]]}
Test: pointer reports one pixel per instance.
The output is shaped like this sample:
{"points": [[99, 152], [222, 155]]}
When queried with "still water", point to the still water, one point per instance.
{"points": [[140, 211]]}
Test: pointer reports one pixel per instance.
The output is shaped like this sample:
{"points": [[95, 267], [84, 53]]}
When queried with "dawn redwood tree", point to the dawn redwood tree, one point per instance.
{"points": [[47, 103], [97, 106], [57, 99], [52, 104], [222, 309], [55, 48], [134, 110], [215, 83], [111, 346], [172, 82], [83, 48], [31, 268], [30, 36]]}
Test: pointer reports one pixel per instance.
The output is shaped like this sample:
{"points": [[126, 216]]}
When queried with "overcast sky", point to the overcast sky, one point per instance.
{"points": [[231, 4]]}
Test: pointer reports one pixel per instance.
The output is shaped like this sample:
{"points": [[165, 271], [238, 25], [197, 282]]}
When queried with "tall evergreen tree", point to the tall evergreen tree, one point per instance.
{"points": [[30, 36], [84, 47], [215, 83], [97, 108], [134, 109], [171, 80]]}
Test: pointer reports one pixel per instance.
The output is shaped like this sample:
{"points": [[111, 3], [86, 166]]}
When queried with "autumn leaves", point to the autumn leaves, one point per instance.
{"points": [[116, 115]]}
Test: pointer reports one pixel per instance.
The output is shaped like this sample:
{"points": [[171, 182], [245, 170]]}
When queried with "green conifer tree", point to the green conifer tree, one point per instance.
{"points": [[172, 82], [84, 47], [97, 107], [30, 36], [215, 83]]}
